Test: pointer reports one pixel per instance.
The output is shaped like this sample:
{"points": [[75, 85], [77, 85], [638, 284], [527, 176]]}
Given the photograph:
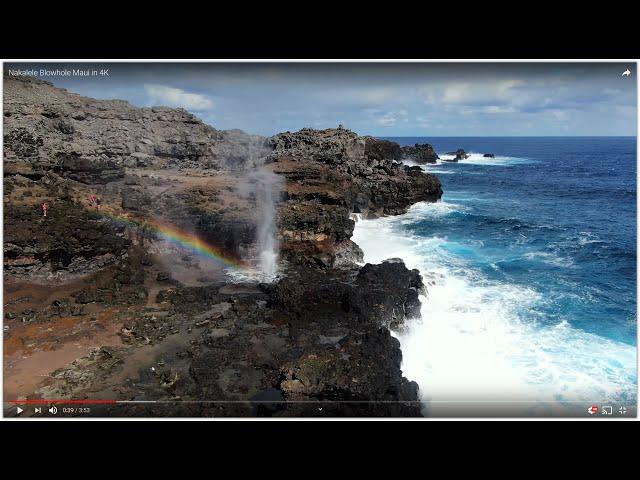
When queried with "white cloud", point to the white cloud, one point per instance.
{"points": [[403, 99], [480, 91], [389, 119], [559, 114], [456, 93], [498, 109], [176, 97], [376, 96]]}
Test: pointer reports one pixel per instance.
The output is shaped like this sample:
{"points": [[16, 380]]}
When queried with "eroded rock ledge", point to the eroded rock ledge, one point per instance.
{"points": [[315, 342], [331, 174]]}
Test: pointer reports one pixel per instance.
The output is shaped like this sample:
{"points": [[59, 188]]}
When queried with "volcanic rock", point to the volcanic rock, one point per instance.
{"points": [[459, 154], [332, 173], [318, 334], [420, 153], [41, 121]]}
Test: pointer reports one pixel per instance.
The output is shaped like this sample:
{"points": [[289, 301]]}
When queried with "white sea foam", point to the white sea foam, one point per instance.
{"points": [[585, 238], [479, 159], [438, 172], [478, 341], [549, 258]]}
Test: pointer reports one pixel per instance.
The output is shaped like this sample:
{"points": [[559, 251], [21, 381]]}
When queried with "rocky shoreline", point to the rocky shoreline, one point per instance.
{"points": [[314, 341]]}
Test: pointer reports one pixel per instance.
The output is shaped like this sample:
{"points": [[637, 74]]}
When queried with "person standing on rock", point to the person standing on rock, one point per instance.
{"points": [[94, 202], [44, 207]]}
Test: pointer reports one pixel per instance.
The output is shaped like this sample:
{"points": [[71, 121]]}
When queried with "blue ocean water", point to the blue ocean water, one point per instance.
{"points": [[532, 260]]}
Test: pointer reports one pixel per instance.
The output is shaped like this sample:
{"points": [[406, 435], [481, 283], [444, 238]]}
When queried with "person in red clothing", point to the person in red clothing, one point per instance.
{"points": [[45, 208], [94, 202]]}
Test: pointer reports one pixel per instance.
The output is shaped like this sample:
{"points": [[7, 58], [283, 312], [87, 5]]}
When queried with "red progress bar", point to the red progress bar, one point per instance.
{"points": [[75, 402]]}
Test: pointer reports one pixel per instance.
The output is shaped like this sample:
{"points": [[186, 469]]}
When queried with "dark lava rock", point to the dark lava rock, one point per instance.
{"points": [[89, 171], [333, 145], [420, 153], [309, 345], [69, 240], [459, 154], [37, 125], [382, 149], [489, 155], [23, 142], [163, 276], [315, 342], [65, 127], [134, 198], [381, 294], [330, 174], [391, 292]]}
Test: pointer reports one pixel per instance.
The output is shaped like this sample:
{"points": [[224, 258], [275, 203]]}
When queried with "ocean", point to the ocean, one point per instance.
{"points": [[530, 262]]}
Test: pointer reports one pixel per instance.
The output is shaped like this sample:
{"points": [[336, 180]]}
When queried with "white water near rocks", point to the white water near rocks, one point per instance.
{"points": [[480, 159], [475, 342]]}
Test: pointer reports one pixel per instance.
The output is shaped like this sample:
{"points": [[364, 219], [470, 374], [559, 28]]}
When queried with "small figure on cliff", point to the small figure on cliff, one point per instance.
{"points": [[44, 206], [94, 202]]}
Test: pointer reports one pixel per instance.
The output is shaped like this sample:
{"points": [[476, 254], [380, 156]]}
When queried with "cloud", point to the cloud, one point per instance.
{"points": [[481, 92], [176, 97], [376, 96], [390, 119], [498, 109], [386, 99]]}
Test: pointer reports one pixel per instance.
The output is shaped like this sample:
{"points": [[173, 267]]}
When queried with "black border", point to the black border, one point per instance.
{"points": [[334, 31]]}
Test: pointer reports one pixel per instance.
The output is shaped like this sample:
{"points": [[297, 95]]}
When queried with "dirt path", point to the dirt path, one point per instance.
{"points": [[33, 350]]}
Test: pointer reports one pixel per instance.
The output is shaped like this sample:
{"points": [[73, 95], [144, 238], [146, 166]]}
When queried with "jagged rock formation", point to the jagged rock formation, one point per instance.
{"points": [[458, 155], [48, 127], [71, 241], [332, 173], [420, 153], [319, 333]]}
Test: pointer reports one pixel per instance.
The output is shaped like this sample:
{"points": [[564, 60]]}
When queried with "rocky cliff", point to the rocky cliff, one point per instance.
{"points": [[315, 341], [331, 174], [420, 153]]}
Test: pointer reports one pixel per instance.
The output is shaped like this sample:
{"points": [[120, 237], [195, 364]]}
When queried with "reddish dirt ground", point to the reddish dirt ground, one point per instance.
{"points": [[31, 351]]}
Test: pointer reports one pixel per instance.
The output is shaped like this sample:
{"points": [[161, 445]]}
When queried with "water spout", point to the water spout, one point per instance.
{"points": [[265, 187]]}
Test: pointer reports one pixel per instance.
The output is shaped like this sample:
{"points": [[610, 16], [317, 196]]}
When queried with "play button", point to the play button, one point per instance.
{"points": [[19, 410]]}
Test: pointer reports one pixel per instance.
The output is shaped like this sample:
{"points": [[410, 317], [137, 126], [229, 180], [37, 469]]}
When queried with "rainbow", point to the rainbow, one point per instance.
{"points": [[184, 239]]}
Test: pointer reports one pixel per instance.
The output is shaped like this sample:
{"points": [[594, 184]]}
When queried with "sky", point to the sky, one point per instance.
{"points": [[383, 99]]}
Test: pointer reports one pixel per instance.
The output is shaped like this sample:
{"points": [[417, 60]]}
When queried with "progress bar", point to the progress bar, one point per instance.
{"points": [[425, 402]]}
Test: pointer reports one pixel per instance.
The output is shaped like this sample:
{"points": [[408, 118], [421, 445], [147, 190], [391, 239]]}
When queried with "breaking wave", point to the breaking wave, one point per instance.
{"points": [[480, 159], [482, 339]]}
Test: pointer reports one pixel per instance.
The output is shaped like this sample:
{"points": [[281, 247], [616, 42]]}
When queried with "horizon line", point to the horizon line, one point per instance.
{"points": [[506, 136]]}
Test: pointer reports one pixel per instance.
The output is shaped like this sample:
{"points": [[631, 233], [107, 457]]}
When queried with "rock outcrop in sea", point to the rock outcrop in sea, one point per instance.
{"points": [[458, 155], [420, 153], [317, 333]]}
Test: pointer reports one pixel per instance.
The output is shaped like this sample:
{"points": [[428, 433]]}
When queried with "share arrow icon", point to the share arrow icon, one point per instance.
{"points": [[626, 73]]}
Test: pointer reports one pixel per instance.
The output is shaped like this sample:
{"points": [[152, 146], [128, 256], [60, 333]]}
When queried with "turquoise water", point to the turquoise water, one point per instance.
{"points": [[531, 257]]}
